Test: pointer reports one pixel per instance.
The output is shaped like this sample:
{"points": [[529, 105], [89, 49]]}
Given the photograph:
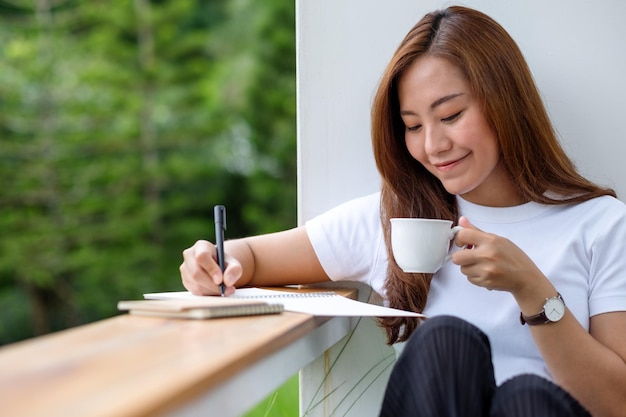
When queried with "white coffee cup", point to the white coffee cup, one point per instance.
{"points": [[421, 245]]}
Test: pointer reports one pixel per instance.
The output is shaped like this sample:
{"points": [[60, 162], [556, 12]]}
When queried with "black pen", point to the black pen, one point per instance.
{"points": [[219, 217]]}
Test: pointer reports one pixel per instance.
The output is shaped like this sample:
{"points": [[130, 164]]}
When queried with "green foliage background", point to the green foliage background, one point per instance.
{"points": [[122, 123]]}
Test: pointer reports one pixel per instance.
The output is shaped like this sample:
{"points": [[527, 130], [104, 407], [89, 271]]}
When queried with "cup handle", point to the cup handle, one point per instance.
{"points": [[453, 233]]}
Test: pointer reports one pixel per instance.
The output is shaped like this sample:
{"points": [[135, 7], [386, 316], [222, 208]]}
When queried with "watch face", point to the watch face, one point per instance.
{"points": [[554, 309]]}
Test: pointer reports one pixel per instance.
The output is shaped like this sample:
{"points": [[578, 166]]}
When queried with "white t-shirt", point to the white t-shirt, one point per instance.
{"points": [[581, 248]]}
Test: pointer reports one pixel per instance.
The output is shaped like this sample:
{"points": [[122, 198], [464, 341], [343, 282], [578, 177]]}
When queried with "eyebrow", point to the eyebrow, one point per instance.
{"points": [[435, 103], [444, 99]]}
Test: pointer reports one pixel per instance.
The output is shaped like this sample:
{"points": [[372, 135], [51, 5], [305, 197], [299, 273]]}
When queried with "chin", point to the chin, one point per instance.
{"points": [[456, 190]]}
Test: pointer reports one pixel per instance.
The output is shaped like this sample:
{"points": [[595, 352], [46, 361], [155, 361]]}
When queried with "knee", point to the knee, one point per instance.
{"points": [[446, 327], [447, 353], [532, 392]]}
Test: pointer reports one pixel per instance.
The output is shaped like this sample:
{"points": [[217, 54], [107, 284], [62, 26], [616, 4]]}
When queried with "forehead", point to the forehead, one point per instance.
{"points": [[430, 78]]}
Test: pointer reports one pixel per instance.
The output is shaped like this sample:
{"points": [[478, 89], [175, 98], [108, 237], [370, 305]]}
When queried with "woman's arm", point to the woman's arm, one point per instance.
{"points": [[274, 259], [589, 365]]}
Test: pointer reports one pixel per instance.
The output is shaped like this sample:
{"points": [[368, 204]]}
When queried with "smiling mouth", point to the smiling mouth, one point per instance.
{"points": [[449, 164]]}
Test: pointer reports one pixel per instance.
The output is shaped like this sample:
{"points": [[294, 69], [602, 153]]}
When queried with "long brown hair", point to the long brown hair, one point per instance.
{"points": [[501, 81]]}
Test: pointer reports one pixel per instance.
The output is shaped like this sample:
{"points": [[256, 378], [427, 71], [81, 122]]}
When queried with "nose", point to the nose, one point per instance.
{"points": [[435, 140]]}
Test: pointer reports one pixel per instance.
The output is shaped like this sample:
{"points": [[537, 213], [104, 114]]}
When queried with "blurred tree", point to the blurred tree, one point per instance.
{"points": [[121, 125]]}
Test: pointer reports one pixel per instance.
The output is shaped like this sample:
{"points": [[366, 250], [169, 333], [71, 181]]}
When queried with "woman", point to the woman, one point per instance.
{"points": [[531, 318]]}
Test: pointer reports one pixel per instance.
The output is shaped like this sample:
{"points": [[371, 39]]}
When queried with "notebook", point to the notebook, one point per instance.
{"points": [[325, 303], [202, 308]]}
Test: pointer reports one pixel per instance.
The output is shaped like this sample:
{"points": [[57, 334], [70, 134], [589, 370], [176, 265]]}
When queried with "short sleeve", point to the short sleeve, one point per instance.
{"points": [[608, 263], [348, 241]]}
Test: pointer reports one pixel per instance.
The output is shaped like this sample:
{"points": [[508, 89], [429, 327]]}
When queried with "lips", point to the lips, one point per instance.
{"points": [[449, 163]]}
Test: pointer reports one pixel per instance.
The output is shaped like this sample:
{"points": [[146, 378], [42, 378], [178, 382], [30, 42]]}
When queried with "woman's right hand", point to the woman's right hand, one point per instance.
{"points": [[201, 274]]}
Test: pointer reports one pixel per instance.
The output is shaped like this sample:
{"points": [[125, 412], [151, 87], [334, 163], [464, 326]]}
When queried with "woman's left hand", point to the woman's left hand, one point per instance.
{"points": [[494, 262]]}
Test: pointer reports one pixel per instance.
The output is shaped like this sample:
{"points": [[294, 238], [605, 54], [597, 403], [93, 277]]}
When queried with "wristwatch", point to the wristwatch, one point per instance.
{"points": [[553, 311]]}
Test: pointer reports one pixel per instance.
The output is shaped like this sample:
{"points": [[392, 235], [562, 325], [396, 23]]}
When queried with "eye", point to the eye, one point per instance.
{"points": [[452, 118], [413, 128]]}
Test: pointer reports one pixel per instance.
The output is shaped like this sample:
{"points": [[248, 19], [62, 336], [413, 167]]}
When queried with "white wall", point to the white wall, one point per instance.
{"points": [[574, 47]]}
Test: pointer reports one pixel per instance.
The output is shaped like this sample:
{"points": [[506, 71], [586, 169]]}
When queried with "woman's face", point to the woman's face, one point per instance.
{"points": [[447, 132]]}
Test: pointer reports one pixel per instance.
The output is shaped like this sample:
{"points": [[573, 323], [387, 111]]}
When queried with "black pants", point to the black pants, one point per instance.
{"points": [[445, 370]]}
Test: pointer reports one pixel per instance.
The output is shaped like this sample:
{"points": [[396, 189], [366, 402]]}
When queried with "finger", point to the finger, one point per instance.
{"points": [[204, 256], [233, 271], [470, 236], [465, 223], [473, 276], [195, 286], [200, 271], [192, 263], [229, 291]]}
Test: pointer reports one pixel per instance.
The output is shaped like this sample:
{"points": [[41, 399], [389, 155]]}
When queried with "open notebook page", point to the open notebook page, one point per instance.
{"points": [[314, 303]]}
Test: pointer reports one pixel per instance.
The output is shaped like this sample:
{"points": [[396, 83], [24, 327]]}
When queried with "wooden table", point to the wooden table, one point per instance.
{"points": [[139, 366]]}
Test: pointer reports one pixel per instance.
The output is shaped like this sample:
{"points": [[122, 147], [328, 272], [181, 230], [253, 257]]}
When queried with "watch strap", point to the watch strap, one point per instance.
{"points": [[535, 319], [539, 318]]}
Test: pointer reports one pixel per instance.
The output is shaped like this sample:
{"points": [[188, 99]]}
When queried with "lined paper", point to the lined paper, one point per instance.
{"points": [[325, 303]]}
